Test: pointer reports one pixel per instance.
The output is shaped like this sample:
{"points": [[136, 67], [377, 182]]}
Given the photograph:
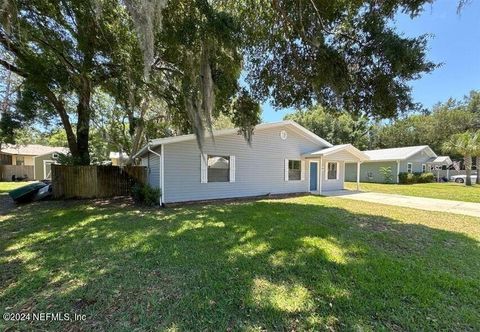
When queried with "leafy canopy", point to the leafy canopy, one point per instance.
{"points": [[341, 54]]}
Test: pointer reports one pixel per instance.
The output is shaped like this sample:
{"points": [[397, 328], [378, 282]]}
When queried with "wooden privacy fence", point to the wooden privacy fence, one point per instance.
{"points": [[6, 172], [95, 181]]}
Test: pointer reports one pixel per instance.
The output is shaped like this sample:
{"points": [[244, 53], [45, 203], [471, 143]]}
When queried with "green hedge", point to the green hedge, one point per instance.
{"points": [[411, 178], [144, 194]]}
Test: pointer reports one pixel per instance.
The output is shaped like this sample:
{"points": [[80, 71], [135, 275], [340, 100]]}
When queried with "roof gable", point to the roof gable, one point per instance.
{"points": [[337, 149]]}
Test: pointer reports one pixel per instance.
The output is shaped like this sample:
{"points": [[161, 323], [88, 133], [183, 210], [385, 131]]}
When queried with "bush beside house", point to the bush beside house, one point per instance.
{"points": [[411, 178], [145, 194]]}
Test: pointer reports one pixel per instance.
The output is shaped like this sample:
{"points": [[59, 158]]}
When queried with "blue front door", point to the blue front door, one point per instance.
{"points": [[313, 176]]}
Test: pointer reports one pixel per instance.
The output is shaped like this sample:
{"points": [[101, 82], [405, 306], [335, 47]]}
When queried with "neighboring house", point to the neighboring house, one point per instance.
{"points": [[282, 158], [31, 161], [411, 159], [118, 158]]}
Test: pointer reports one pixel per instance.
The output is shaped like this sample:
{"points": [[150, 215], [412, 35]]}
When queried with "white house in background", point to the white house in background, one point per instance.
{"points": [[410, 159], [118, 158], [282, 158]]}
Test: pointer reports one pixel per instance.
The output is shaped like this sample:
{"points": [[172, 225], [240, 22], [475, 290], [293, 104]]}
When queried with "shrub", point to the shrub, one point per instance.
{"points": [[426, 178], [406, 178], [145, 194], [387, 174], [410, 178]]}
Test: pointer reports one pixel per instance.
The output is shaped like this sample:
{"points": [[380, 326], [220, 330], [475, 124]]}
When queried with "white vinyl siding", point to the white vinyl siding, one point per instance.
{"points": [[203, 168], [302, 170], [259, 168], [153, 162], [232, 168], [285, 166]]}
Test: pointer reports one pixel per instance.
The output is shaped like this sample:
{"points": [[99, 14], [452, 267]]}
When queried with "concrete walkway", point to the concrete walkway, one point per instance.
{"points": [[422, 203]]}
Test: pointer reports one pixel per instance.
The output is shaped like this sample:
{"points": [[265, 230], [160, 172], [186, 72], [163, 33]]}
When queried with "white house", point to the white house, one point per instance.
{"points": [[282, 158]]}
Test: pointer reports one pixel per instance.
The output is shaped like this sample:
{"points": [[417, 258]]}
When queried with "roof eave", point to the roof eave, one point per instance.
{"points": [[176, 139]]}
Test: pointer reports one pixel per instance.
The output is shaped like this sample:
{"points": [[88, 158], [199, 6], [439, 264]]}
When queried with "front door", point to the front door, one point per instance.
{"points": [[313, 176]]}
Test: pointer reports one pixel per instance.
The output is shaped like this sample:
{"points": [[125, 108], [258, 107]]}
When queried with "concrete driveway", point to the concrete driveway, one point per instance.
{"points": [[422, 203]]}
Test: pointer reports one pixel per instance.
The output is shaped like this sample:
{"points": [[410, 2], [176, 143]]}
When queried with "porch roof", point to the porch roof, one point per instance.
{"points": [[440, 160], [339, 152]]}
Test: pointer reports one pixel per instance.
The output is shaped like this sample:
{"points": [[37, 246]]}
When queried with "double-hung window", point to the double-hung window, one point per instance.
{"points": [[332, 171], [218, 168], [409, 167], [294, 170], [20, 160]]}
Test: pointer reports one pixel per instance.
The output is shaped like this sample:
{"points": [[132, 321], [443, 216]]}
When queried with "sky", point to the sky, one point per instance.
{"points": [[455, 43]]}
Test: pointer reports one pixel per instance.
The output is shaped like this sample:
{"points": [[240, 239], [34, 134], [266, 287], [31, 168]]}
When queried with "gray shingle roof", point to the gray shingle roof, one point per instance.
{"points": [[397, 153], [31, 149]]}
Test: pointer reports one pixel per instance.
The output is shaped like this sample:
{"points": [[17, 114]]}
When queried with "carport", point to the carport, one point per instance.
{"points": [[436, 164]]}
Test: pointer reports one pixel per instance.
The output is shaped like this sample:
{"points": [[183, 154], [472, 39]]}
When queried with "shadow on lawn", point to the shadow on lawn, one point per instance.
{"points": [[268, 265]]}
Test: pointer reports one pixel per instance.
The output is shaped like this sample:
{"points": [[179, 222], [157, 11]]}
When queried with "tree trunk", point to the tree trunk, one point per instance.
{"points": [[83, 125], [477, 161], [62, 112], [468, 170], [136, 141]]}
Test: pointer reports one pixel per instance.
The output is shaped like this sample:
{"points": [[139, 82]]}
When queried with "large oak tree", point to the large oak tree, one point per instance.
{"points": [[342, 54], [64, 50]]}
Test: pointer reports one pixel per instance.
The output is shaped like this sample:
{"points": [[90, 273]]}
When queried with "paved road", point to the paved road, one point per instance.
{"points": [[422, 203]]}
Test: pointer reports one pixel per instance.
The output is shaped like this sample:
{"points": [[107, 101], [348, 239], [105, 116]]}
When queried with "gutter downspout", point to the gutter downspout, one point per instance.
{"points": [[160, 171]]}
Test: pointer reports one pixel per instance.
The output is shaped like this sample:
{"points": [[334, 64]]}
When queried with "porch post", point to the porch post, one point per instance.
{"points": [[321, 175], [358, 176], [398, 171]]}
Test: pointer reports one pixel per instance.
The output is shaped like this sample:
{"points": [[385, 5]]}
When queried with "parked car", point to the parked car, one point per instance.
{"points": [[462, 178]]}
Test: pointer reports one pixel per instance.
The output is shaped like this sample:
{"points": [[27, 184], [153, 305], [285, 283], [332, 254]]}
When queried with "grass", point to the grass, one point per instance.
{"points": [[5, 187], [305, 263], [451, 191]]}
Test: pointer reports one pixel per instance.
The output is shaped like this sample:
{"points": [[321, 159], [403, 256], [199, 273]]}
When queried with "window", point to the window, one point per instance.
{"points": [[424, 168], [5, 159], [332, 171], [294, 170], [218, 169], [370, 175], [409, 167], [20, 160]]}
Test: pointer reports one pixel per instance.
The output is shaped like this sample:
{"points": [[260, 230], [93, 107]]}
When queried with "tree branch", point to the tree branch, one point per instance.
{"points": [[13, 68]]}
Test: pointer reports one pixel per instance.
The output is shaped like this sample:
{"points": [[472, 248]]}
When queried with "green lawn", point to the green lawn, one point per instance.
{"points": [[5, 187], [307, 263], [452, 191]]}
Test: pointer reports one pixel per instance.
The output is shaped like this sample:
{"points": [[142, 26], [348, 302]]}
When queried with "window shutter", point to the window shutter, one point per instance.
{"points": [[232, 168], [302, 170], [203, 168], [286, 169]]}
